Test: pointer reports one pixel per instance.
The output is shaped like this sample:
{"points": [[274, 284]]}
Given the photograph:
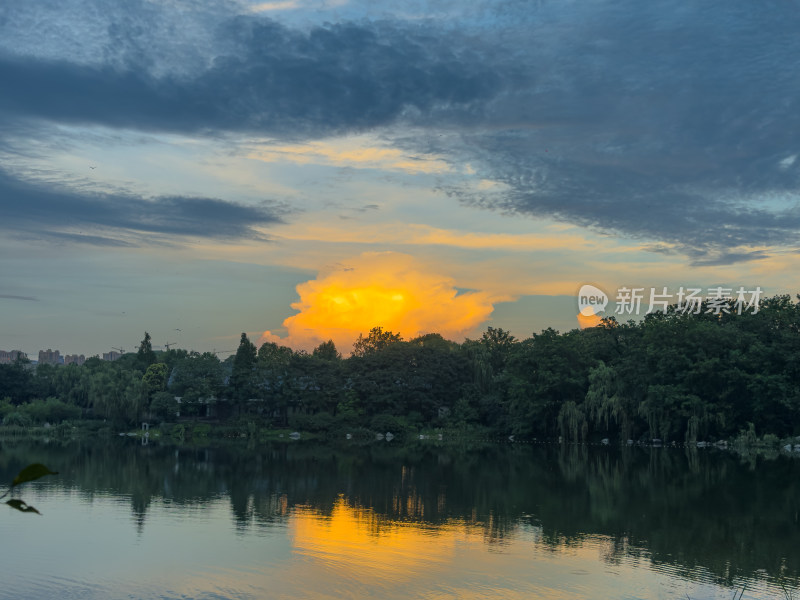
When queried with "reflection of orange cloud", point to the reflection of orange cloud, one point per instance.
{"points": [[380, 289], [370, 549]]}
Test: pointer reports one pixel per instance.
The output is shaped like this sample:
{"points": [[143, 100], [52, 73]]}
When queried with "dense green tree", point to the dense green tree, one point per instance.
{"points": [[319, 383], [377, 339], [155, 379], [277, 380], [164, 407], [172, 357], [72, 385], [541, 374], [52, 411], [197, 377], [498, 344], [327, 351], [118, 394], [16, 381], [423, 377]]}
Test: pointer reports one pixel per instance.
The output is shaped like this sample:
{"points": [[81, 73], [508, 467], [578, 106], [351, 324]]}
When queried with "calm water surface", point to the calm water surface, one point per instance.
{"points": [[311, 521]]}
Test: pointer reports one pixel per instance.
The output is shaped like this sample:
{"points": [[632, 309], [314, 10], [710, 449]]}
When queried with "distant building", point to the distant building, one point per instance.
{"points": [[6, 358], [50, 357], [113, 355], [74, 359]]}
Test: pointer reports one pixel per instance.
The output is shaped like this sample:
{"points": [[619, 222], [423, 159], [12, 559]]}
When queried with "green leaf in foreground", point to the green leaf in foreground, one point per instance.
{"points": [[21, 506], [31, 472]]}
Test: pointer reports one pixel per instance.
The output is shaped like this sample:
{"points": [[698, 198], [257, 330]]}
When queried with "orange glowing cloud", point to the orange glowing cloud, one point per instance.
{"points": [[380, 289], [592, 320], [360, 152]]}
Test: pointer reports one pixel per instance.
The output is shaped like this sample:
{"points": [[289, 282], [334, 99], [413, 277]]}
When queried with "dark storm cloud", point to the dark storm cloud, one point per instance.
{"points": [[275, 80], [675, 123], [32, 210]]}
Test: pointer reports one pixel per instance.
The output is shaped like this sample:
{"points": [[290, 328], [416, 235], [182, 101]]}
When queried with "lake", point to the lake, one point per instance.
{"points": [[384, 520]]}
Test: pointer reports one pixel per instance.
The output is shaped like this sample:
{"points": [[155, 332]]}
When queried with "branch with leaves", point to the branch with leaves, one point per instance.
{"points": [[29, 473]]}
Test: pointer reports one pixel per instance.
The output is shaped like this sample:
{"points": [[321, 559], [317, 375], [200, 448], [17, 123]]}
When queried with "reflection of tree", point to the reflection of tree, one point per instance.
{"points": [[139, 504], [684, 508]]}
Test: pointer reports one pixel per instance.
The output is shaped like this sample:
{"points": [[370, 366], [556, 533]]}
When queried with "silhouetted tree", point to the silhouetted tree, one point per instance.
{"points": [[243, 376], [327, 351], [145, 355], [376, 339]]}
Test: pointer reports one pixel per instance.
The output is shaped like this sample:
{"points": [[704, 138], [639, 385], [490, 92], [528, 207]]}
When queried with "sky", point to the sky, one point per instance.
{"points": [[305, 170]]}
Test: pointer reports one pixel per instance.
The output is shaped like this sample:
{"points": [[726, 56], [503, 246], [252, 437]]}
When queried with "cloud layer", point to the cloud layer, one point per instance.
{"points": [[271, 79], [673, 124], [655, 121], [45, 211], [380, 289]]}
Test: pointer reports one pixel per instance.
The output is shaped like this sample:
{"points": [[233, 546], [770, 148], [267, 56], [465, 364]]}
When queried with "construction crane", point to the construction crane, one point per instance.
{"points": [[168, 344], [120, 350]]}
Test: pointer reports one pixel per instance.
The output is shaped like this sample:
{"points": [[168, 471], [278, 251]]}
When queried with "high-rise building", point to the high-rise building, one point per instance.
{"points": [[74, 359], [113, 355], [49, 357], [6, 358]]}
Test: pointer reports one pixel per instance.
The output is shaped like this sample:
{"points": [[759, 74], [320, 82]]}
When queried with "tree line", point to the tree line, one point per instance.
{"points": [[672, 376]]}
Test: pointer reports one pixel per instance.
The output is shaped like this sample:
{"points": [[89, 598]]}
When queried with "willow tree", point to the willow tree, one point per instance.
{"points": [[604, 403], [118, 395], [572, 423], [480, 365]]}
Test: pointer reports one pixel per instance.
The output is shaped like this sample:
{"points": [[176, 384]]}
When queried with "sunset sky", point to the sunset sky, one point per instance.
{"points": [[303, 170]]}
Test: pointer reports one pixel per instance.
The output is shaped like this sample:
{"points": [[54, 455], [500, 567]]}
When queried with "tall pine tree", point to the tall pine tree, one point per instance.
{"points": [[243, 375], [145, 355]]}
